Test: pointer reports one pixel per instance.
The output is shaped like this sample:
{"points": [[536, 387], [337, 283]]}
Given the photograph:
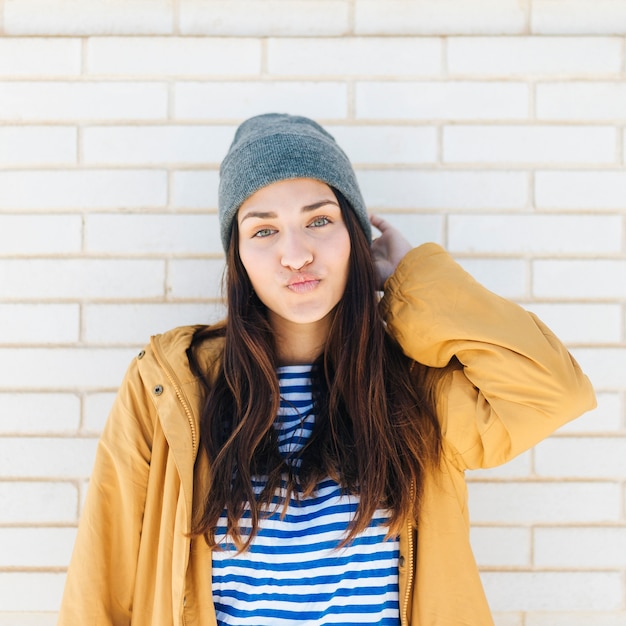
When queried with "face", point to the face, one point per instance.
{"points": [[295, 247]]}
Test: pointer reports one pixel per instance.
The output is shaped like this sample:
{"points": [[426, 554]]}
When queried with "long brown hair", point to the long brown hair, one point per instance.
{"points": [[375, 432]]}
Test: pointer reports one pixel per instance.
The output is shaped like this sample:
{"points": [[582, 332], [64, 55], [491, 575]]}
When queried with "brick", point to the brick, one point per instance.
{"points": [[39, 457], [78, 101], [529, 144], [152, 234], [502, 619], [581, 322], [596, 547], [36, 413], [96, 17], [36, 547], [572, 17], [39, 323], [604, 366], [96, 408], [536, 234], [605, 457], [63, 369], [519, 467], [21, 591], [82, 189], [580, 190], [27, 619], [387, 144], [454, 100], [173, 56], [506, 277], [239, 100], [82, 278], [142, 145], [605, 418], [37, 502], [195, 279], [407, 189], [576, 619], [22, 235], [549, 502], [495, 546], [418, 229], [23, 57], [264, 18], [133, 323], [37, 145], [195, 189], [587, 279], [355, 56], [623, 149], [550, 591], [539, 56], [429, 17], [578, 101]]}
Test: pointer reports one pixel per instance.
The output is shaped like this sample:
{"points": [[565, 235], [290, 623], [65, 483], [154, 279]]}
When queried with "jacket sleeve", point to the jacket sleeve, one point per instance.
{"points": [[101, 577], [507, 382]]}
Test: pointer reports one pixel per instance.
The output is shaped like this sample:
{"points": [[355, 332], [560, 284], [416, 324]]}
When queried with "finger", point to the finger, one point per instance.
{"points": [[380, 223]]}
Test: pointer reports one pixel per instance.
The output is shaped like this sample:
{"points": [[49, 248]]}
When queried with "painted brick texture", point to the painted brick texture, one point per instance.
{"points": [[493, 127]]}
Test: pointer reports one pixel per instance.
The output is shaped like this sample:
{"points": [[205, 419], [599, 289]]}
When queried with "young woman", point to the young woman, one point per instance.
{"points": [[303, 462]]}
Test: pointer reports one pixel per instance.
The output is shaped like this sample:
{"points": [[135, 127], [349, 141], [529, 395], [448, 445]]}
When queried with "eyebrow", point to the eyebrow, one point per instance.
{"points": [[271, 214]]}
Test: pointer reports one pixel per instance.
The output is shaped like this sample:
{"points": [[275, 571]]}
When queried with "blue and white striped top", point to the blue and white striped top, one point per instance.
{"points": [[293, 572]]}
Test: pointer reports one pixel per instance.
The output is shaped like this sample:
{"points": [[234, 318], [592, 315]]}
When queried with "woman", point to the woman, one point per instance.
{"points": [[304, 461]]}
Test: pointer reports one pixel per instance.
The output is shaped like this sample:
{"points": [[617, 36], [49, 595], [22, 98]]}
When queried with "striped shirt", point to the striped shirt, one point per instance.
{"points": [[293, 572]]}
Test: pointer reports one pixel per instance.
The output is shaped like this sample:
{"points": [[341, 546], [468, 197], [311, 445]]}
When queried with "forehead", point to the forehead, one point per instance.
{"points": [[296, 192]]}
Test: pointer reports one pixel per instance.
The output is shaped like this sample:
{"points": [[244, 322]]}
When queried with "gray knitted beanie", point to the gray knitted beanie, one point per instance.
{"points": [[275, 146]]}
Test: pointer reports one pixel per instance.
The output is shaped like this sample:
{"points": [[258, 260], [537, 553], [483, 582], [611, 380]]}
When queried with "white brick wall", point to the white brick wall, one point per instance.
{"points": [[173, 56], [540, 56], [355, 56], [494, 127], [265, 17], [441, 100], [529, 144], [79, 101]]}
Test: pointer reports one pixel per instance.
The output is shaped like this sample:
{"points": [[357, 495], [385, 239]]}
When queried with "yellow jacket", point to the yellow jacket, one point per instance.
{"points": [[511, 384]]}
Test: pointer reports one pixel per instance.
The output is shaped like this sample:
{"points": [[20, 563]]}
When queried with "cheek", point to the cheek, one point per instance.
{"points": [[246, 253], [244, 257], [344, 248], [253, 264]]}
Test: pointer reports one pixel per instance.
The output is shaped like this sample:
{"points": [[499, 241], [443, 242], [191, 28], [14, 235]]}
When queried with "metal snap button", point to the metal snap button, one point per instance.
{"points": [[158, 390], [141, 354]]}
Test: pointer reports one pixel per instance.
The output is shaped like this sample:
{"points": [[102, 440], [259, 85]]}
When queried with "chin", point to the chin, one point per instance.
{"points": [[304, 318]]}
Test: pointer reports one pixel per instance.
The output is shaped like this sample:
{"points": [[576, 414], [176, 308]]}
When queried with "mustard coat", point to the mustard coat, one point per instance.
{"points": [[512, 384]]}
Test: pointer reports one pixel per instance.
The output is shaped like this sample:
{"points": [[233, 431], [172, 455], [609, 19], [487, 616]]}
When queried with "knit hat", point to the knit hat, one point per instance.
{"points": [[276, 146]]}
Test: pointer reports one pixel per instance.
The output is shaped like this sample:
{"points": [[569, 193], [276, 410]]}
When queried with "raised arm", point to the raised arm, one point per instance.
{"points": [[508, 381]]}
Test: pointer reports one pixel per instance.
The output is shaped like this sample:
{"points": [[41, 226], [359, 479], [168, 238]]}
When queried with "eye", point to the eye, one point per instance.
{"points": [[263, 232], [320, 221]]}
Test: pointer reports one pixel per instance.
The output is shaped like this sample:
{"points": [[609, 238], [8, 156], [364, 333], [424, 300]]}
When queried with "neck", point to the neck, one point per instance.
{"points": [[297, 344]]}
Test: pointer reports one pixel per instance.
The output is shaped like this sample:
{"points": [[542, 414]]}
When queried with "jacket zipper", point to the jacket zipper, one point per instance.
{"points": [[179, 395], [409, 583]]}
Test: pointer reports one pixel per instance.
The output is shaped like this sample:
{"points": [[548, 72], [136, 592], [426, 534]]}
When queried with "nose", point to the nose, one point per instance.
{"points": [[296, 251]]}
